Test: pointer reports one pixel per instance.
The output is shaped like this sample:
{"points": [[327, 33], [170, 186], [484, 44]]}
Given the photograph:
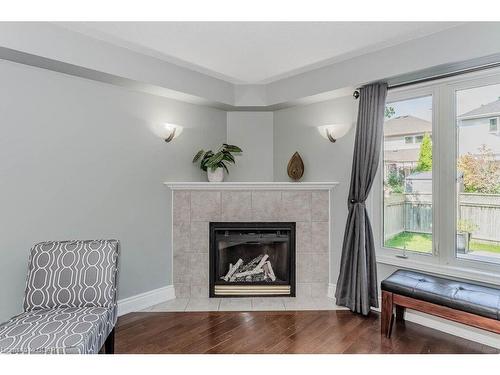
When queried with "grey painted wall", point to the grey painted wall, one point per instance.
{"points": [[253, 132], [295, 130], [78, 159]]}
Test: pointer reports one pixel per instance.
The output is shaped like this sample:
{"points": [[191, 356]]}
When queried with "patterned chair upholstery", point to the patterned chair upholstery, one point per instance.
{"points": [[70, 302]]}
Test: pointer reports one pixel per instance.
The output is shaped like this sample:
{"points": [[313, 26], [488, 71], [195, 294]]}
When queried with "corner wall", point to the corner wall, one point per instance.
{"points": [[79, 160], [253, 132], [295, 130]]}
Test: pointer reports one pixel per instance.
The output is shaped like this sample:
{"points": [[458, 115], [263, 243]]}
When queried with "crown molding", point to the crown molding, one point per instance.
{"points": [[53, 47]]}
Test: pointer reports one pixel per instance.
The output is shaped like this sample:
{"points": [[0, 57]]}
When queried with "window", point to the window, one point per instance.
{"points": [[493, 125], [436, 201], [478, 171], [408, 177]]}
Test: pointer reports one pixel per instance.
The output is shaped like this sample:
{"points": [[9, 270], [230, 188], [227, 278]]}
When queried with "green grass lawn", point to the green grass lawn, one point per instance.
{"points": [[414, 241], [423, 243], [481, 246]]}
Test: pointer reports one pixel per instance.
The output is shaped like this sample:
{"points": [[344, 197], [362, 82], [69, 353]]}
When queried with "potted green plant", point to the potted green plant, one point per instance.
{"points": [[215, 163], [464, 232]]}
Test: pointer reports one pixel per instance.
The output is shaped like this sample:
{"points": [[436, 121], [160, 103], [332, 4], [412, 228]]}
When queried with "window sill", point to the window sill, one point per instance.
{"points": [[441, 269]]}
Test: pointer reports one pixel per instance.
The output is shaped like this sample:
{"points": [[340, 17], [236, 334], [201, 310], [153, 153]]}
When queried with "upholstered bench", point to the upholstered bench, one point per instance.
{"points": [[70, 300], [472, 304]]}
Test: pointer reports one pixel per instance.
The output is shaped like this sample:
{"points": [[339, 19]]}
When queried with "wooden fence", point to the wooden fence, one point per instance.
{"points": [[413, 213]]}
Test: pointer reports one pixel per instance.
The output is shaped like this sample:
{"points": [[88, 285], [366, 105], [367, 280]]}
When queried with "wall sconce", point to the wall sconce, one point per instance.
{"points": [[333, 132], [169, 131]]}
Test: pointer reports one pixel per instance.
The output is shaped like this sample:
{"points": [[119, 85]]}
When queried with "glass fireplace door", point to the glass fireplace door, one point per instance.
{"points": [[252, 259]]}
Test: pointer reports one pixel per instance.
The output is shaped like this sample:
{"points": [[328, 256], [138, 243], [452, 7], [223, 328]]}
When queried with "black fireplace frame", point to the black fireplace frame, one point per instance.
{"points": [[213, 254]]}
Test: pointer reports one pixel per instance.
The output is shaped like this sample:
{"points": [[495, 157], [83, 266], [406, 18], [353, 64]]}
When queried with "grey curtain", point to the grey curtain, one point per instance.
{"points": [[357, 282]]}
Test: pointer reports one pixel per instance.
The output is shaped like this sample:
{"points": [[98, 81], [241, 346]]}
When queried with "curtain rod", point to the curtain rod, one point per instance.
{"points": [[438, 76]]}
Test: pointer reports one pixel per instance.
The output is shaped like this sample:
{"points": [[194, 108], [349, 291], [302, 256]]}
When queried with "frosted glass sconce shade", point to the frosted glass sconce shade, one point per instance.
{"points": [[332, 132], [168, 132]]}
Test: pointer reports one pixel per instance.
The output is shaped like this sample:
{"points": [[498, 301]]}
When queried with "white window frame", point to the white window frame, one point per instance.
{"points": [[443, 259]]}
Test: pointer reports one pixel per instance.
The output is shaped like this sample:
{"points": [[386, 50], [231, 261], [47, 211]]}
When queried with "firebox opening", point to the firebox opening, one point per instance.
{"points": [[252, 259]]}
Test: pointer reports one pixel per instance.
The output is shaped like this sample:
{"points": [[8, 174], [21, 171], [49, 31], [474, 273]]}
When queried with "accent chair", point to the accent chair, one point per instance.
{"points": [[70, 301]]}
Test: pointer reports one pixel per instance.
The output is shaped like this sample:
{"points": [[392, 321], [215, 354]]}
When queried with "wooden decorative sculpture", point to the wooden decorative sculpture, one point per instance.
{"points": [[295, 167]]}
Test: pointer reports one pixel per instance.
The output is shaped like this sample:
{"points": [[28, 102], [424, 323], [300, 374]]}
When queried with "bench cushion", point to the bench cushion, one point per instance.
{"points": [[74, 330], [459, 295]]}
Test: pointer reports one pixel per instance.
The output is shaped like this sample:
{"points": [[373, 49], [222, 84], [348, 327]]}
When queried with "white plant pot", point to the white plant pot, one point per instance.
{"points": [[215, 176]]}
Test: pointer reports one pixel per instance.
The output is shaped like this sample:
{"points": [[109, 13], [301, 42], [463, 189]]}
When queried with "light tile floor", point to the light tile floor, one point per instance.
{"points": [[246, 304]]}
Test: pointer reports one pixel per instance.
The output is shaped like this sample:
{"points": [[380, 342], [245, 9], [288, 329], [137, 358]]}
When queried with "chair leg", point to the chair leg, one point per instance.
{"points": [[109, 345], [387, 314], [400, 314]]}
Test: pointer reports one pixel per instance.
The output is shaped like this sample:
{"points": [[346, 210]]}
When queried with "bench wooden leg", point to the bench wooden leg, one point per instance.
{"points": [[400, 314], [387, 314], [109, 345]]}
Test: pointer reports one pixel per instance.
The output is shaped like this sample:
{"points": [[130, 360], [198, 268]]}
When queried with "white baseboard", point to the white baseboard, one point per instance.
{"points": [[331, 291], [452, 328], [144, 300], [456, 329]]}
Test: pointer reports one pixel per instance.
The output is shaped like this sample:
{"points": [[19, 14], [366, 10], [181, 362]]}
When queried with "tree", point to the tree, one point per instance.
{"points": [[425, 156], [481, 172], [389, 111]]}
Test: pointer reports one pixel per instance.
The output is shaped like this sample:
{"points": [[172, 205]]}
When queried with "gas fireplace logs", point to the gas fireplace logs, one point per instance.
{"points": [[258, 269], [268, 270], [232, 269]]}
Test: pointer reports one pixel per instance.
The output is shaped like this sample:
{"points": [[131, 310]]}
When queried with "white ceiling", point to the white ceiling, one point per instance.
{"points": [[255, 52]]}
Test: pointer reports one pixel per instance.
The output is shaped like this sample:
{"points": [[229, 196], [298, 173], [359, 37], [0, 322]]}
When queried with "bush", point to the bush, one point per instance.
{"points": [[395, 182]]}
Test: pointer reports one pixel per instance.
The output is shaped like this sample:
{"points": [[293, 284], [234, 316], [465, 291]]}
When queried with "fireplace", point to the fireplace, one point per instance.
{"points": [[252, 259]]}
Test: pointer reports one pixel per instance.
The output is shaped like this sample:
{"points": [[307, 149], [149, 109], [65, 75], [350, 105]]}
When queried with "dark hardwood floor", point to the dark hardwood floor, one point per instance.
{"points": [[279, 332]]}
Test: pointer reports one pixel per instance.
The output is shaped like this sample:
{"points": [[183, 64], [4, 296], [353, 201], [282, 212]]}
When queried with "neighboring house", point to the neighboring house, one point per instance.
{"points": [[402, 138], [480, 126]]}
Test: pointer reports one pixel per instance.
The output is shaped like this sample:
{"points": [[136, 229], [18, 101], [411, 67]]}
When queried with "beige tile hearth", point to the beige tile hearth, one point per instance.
{"points": [[203, 304], [299, 303], [246, 304], [268, 304], [235, 304], [177, 304]]}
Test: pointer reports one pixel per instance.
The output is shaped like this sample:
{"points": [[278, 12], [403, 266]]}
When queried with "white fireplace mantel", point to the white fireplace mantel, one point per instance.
{"points": [[251, 185]]}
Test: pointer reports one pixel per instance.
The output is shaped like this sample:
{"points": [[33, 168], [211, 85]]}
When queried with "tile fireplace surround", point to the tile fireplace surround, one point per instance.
{"points": [[196, 204]]}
